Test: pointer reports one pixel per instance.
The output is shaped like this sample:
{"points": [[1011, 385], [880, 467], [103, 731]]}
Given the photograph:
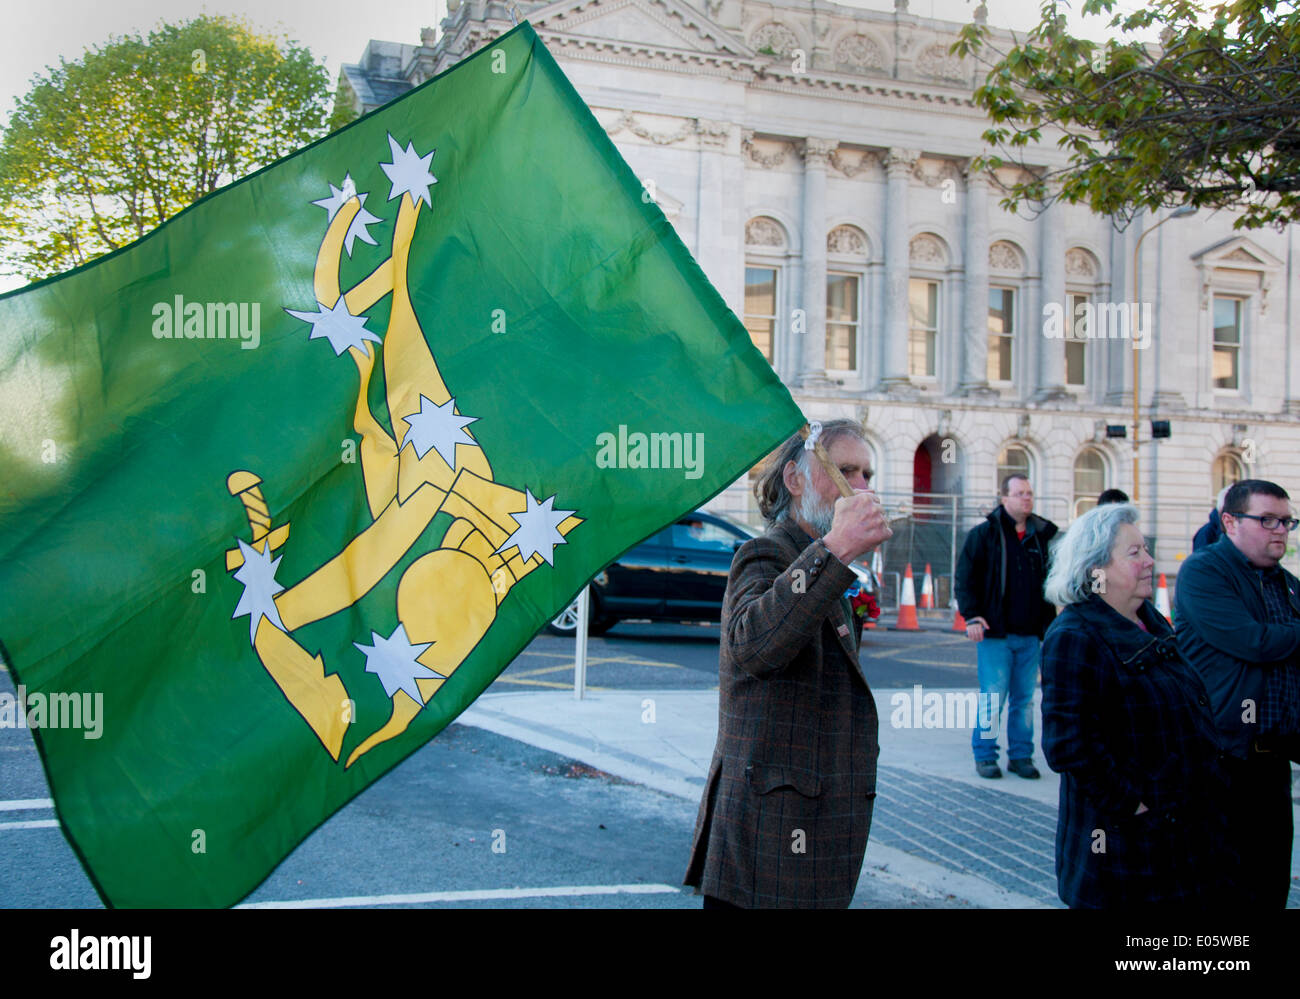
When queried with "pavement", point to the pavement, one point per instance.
{"points": [[939, 831]]}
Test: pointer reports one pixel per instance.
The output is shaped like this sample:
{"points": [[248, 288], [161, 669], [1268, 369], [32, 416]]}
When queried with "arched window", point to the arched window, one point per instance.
{"points": [[928, 256], [1006, 268], [846, 252], [1089, 480], [1225, 471], [1082, 272], [1013, 459], [766, 246]]}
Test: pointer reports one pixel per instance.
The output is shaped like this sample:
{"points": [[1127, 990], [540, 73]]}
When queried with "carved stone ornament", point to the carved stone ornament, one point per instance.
{"points": [[925, 249], [901, 160], [846, 239], [932, 173], [627, 121], [775, 36], [1080, 263], [1005, 257], [817, 152], [935, 61], [860, 52], [865, 162], [712, 133], [763, 231], [768, 161]]}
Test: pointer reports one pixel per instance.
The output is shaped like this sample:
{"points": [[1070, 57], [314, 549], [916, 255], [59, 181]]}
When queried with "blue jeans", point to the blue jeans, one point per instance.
{"points": [[1008, 667]]}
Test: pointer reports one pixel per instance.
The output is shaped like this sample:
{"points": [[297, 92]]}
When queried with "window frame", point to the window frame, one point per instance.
{"points": [[836, 269], [938, 323], [1091, 496], [1010, 338], [1241, 303], [762, 264], [1001, 470], [1078, 388]]}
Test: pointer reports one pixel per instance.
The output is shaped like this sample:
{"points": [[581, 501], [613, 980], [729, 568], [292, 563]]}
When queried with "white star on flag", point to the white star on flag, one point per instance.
{"points": [[537, 532], [257, 601], [438, 427], [395, 661], [357, 228], [409, 172], [339, 197], [338, 325]]}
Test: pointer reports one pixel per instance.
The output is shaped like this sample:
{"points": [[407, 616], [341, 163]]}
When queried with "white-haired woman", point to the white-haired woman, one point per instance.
{"points": [[1127, 724]]}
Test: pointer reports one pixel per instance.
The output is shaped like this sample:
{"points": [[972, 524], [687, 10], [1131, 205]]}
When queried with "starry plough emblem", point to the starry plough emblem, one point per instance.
{"points": [[448, 597]]}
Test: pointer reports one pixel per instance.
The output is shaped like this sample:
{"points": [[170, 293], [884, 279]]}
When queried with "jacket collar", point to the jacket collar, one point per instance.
{"points": [[1127, 641], [790, 530], [1034, 524]]}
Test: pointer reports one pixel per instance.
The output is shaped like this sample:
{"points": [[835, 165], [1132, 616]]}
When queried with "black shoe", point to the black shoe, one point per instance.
{"points": [[987, 768], [1024, 768]]}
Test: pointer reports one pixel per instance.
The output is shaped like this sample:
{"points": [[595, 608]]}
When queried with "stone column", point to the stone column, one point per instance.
{"points": [[898, 171], [1118, 353], [1050, 381], [812, 363], [1291, 304], [717, 234], [1164, 316], [975, 314]]}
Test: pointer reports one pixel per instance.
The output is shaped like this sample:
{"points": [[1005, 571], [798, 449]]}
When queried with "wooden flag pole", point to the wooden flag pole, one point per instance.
{"points": [[813, 431]]}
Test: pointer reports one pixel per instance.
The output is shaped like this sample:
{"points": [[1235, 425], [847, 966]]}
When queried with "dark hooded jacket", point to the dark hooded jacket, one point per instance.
{"points": [[998, 573], [1210, 532]]}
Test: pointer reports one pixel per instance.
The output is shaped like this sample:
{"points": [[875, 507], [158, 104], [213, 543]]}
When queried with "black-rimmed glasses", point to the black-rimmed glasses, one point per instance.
{"points": [[1268, 521]]}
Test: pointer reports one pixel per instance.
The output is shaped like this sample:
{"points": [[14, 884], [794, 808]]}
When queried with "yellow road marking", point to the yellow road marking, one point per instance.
{"points": [[544, 683]]}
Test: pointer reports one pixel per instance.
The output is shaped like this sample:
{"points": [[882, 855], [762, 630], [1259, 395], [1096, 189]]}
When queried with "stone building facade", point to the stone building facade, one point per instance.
{"points": [[816, 161]]}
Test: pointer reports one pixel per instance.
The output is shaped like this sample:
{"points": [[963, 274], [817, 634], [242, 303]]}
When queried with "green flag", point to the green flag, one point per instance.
{"points": [[288, 482]]}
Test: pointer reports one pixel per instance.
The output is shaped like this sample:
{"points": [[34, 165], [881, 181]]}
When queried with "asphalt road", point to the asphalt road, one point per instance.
{"points": [[644, 656], [473, 819]]}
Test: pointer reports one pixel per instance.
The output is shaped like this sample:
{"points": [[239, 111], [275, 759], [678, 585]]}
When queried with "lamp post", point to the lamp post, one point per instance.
{"points": [[1180, 212]]}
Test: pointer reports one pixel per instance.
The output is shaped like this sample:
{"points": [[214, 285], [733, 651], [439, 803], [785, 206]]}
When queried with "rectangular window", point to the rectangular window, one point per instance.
{"points": [[1226, 365], [923, 306], [760, 308], [841, 322], [1076, 342], [1002, 330]]}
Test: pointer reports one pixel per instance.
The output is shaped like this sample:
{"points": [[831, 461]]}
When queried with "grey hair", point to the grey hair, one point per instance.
{"points": [[773, 497], [1085, 546]]}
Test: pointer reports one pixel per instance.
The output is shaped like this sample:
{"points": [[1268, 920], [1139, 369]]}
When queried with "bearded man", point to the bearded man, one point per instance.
{"points": [[787, 806]]}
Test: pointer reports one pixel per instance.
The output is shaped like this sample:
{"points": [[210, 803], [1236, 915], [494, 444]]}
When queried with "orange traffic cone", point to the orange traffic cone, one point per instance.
{"points": [[907, 604], [927, 591], [958, 622], [1162, 598]]}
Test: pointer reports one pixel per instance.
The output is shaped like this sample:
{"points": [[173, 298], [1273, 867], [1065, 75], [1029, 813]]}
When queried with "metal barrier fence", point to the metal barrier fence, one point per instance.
{"points": [[931, 528]]}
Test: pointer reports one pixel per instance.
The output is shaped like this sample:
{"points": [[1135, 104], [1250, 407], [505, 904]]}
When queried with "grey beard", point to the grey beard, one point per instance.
{"points": [[815, 511]]}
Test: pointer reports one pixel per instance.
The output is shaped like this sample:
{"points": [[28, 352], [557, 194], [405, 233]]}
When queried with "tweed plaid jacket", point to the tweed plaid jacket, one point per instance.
{"points": [[1126, 721], [787, 805]]}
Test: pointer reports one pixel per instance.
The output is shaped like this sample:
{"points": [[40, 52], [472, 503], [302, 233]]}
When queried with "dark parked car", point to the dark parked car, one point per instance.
{"points": [[679, 574]]}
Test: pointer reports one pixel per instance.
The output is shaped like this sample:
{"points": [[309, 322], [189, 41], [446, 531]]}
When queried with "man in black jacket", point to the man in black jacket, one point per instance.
{"points": [[1212, 530], [999, 588], [1238, 615]]}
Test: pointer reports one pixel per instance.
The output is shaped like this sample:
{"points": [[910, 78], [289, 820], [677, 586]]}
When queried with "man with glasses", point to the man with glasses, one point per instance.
{"points": [[1238, 624]]}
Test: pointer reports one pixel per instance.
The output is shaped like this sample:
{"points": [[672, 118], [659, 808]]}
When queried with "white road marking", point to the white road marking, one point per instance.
{"points": [[485, 894], [23, 804], [32, 824]]}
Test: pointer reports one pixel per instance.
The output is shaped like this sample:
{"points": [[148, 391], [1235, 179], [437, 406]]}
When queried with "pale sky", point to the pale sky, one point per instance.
{"points": [[39, 32]]}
